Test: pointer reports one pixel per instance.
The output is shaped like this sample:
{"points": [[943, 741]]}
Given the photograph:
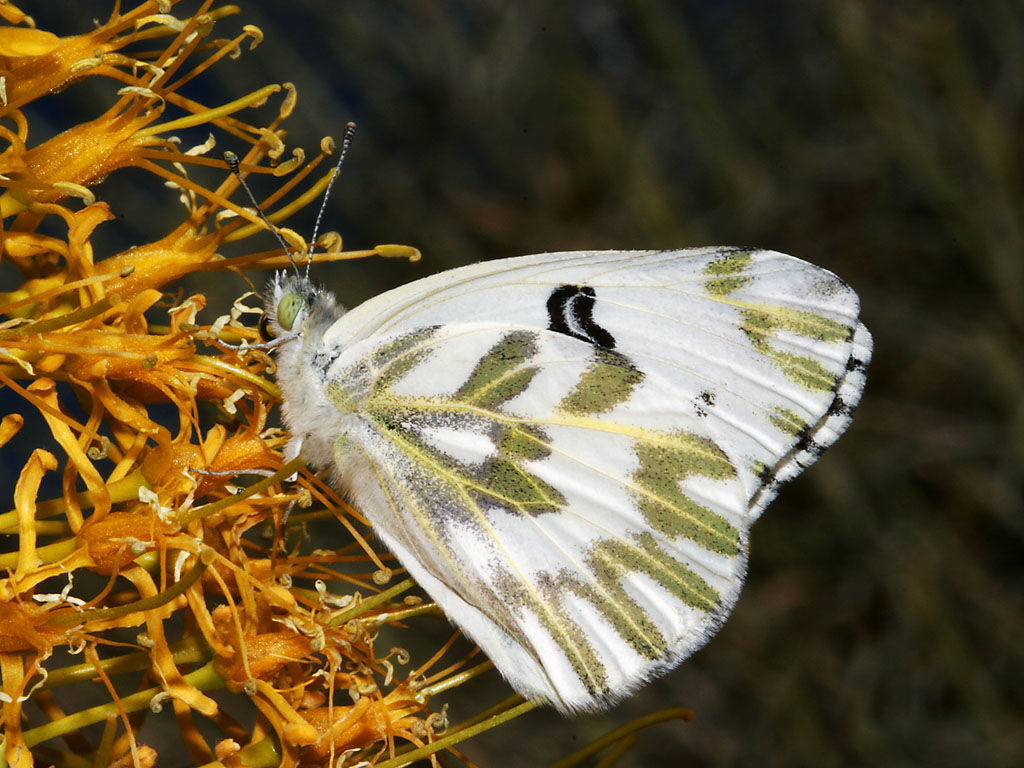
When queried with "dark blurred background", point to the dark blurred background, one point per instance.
{"points": [[882, 622]]}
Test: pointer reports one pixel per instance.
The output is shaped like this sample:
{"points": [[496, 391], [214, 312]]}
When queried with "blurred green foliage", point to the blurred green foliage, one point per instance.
{"points": [[882, 621]]}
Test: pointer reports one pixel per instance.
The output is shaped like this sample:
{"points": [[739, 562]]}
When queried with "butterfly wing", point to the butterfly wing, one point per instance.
{"points": [[766, 348], [572, 474], [567, 509]]}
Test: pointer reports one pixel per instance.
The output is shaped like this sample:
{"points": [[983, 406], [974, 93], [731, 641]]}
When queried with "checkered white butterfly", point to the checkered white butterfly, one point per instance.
{"points": [[567, 450]]}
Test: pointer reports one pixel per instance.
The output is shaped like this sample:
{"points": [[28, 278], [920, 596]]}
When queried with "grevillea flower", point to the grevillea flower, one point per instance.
{"points": [[153, 523]]}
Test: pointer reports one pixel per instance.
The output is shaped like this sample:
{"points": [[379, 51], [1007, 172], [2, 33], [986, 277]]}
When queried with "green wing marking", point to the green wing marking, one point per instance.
{"points": [[665, 461], [608, 382], [402, 355], [502, 373], [760, 321], [725, 274], [787, 420]]}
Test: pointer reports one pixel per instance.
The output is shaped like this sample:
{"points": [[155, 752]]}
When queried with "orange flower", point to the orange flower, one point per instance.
{"points": [[127, 383]]}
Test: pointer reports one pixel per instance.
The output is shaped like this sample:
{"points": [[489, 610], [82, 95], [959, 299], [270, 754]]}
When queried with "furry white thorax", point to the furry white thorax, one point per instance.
{"points": [[300, 363]]}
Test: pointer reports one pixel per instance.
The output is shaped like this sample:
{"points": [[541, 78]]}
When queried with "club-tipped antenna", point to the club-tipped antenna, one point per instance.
{"points": [[232, 160], [346, 142]]}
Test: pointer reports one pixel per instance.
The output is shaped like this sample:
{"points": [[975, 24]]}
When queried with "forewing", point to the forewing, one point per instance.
{"points": [[765, 349], [569, 510]]}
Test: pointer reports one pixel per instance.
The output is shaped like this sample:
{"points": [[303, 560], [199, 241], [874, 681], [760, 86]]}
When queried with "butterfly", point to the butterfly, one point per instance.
{"points": [[567, 450]]}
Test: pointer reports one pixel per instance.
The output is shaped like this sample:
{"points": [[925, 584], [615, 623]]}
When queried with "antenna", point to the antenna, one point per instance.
{"points": [[233, 165], [346, 142], [232, 160]]}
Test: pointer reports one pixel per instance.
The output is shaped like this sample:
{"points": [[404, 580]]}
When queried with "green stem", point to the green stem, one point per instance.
{"points": [[61, 321], [673, 713], [189, 650], [203, 679], [125, 489], [51, 553], [371, 602], [453, 681], [286, 471], [433, 747], [145, 604]]}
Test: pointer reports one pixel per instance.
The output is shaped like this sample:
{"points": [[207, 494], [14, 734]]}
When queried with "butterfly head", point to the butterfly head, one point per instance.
{"points": [[295, 307]]}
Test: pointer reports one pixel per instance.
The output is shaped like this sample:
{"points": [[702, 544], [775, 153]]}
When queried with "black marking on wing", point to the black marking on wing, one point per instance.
{"points": [[766, 477], [805, 443], [705, 398], [839, 407], [576, 303]]}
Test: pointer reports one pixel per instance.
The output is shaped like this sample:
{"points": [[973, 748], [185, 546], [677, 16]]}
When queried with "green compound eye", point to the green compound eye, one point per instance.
{"points": [[288, 310]]}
